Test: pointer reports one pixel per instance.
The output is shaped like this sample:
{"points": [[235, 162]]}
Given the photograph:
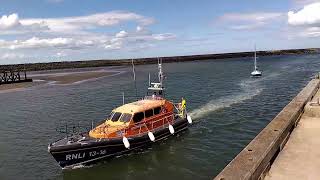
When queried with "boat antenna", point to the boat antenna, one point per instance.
{"points": [[157, 86], [134, 78], [160, 71], [122, 98]]}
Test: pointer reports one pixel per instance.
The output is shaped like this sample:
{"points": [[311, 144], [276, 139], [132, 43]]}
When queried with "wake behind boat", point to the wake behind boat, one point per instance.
{"points": [[255, 72], [128, 127]]}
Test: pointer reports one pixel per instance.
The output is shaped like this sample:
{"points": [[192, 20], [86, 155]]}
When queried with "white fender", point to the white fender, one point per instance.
{"points": [[49, 148], [151, 136], [171, 129], [126, 142], [189, 119]]}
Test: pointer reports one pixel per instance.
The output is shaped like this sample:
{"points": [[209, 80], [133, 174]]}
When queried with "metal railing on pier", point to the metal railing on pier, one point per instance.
{"points": [[13, 76]]}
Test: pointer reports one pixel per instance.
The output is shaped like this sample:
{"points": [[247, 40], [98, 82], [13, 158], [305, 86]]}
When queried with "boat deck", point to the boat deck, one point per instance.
{"points": [[73, 140], [300, 157]]}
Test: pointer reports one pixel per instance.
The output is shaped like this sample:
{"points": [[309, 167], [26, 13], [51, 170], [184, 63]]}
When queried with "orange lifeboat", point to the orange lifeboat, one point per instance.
{"points": [[131, 126]]}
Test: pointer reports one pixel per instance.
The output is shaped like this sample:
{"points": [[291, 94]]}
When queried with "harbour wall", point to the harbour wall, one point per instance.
{"points": [[152, 60], [255, 160]]}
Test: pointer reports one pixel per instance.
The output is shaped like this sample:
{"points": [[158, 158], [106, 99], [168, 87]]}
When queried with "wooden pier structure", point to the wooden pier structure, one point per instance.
{"points": [[13, 76]]}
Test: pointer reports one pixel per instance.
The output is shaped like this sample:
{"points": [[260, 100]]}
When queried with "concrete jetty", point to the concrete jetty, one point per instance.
{"points": [[288, 147], [300, 157]]}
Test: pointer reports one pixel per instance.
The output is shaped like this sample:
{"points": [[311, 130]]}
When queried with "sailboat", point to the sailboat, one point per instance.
{"points": [[255, 72]]}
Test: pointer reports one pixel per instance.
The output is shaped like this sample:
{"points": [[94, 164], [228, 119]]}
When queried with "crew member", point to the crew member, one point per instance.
{"points": [[183, 106]]}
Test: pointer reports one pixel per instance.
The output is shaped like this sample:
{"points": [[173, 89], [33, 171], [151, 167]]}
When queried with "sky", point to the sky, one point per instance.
{"points": [[67, 30]]}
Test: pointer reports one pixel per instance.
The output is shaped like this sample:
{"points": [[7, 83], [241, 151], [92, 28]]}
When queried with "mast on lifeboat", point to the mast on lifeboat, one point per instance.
{"points": [[157, 87]]}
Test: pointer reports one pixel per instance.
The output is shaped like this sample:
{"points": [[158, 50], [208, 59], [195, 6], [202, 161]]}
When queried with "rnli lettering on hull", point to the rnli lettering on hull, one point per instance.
{"points": [[75, 156], [83, 155]]}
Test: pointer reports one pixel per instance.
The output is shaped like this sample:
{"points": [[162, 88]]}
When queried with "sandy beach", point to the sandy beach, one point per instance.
{"points": [[16, 86], [62, 77], [72, 77]]}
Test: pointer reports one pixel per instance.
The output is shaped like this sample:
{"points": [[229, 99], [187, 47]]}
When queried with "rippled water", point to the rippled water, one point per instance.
{"points": [[229, 109]]}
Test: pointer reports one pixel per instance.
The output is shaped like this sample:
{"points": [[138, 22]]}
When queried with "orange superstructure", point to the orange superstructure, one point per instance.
{"points": [[134, 118]]}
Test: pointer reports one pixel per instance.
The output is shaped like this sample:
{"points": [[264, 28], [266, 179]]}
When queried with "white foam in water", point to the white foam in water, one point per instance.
{"points": [[250, 88], [224, 102], [79, 166]]}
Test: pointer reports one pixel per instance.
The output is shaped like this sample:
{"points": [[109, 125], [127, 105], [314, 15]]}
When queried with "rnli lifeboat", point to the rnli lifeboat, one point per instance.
{"points": [[131, 126]]}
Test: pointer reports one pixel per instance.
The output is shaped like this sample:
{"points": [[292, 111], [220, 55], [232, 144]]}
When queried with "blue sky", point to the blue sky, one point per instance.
{"points": [[60, 30]]}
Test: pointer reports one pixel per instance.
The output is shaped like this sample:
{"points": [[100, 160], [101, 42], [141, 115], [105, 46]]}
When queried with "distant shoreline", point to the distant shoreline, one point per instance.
{"points": [[152, 60]]}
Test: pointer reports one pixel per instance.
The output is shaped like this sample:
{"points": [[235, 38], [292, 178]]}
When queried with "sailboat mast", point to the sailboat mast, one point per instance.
{"points": [[134, 78], [255, 58], [160, 74]]}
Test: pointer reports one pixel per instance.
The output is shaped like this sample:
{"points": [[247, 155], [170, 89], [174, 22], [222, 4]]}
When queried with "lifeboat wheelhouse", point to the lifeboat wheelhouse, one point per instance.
{"points": [[135, 118]]}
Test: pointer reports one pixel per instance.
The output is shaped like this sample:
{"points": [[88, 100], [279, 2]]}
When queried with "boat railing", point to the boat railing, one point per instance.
{"points": [[168, 119], [153, 97], [70, 129], [143, 126]]}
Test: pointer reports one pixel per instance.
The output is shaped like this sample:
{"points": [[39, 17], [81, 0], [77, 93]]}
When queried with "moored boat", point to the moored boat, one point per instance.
{"points": [[131, 126], [255, 72]]}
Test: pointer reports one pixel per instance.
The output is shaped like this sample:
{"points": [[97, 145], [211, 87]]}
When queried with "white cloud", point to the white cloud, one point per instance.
{"points": [[142, 38], [305, 23], [139, 29], [12, 24], [85, 23], [61, 54], [247, 21], [300, 3], [12, 56], [45, 38], [164, 36], [36, 43], [251, 17], [10, 21], [308, 15], [40, 43], [142, 30], [114, 44], [122, 39], [121, 34], [247, 26], [309, 32]]}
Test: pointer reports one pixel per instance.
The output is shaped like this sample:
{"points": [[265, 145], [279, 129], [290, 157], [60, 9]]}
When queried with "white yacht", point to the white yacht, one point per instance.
{"points": [[255, 72]]}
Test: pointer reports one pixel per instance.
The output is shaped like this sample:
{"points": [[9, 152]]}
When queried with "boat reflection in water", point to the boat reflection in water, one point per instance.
{"points": [[131, 126]]}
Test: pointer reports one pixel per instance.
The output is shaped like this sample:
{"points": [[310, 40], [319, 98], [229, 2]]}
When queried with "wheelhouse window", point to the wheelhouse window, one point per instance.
{"points": [[138, 117], [115, 116], [110, 115], [157, 110], [125, 117], [149, 113]]}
